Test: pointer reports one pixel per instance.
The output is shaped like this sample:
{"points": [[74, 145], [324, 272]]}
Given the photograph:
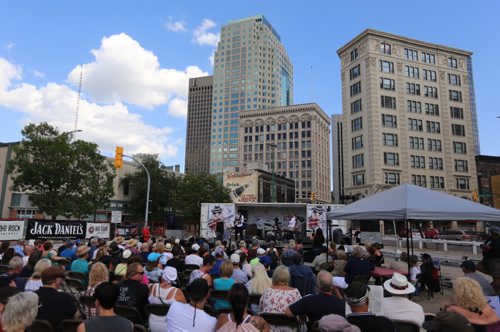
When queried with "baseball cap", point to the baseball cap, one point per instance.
{"points": [[153, 257], [51, 273], [448, 322], [219, 251], [494, 229], [235, 259], [169, 273], [261, 251], [265, 260], [356, 293], [469, 265], [195, 247]]}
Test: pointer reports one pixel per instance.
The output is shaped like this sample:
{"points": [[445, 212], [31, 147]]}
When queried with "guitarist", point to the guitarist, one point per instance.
{"points": [[239, 225]]}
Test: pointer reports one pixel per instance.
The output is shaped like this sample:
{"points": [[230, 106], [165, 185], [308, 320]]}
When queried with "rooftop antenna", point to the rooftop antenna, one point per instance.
{"points": [[311, 84], [78, 99]]}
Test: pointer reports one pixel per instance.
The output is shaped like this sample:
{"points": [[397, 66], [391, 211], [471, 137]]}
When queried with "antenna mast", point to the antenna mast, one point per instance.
{"points": [[78, 99]]}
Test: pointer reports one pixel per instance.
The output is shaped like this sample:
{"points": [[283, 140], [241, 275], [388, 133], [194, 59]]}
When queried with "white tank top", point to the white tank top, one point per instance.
{"points": [[159, 295]]}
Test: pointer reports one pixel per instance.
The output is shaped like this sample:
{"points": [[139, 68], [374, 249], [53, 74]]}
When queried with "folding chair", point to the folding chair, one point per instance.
{"points": [[129, 312], [406, 326], [74, 284], [221, 295], [4, 268], [70, 325], [140, 328], [191, 267], [277, 320], [40, 325], [77, 275]]}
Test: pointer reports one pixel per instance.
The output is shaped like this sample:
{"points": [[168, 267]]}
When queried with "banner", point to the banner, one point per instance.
{"points": [[100, 230], [11, 230], [127, 230], [59, 229], [243, 185], [215, 218]]}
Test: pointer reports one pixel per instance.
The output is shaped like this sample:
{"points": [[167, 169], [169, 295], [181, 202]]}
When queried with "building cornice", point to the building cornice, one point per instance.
{"points": [[286, 109]]}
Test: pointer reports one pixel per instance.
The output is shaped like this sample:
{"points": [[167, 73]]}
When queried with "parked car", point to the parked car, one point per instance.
{"points": [[454, 234], [415, 233], [431, 233]]}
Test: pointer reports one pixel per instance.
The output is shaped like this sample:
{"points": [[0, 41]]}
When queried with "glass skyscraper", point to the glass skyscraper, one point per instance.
{"points": [[251, 71]]}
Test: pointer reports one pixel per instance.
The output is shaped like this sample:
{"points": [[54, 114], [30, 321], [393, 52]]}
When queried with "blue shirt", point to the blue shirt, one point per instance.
{"points": [[215, 271], [222, 284], [80, 265]]}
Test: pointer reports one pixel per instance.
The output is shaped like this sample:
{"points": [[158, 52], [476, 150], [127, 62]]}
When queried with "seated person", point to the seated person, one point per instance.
{"points": [[132, 292], [356, 266]]}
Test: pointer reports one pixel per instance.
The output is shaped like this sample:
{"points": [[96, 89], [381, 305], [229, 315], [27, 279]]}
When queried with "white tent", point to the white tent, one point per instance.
{"points": [[409, 202]]}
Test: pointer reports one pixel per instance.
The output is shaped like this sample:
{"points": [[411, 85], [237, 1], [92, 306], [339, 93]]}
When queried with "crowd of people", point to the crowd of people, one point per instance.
{"points": [[330, 295]]}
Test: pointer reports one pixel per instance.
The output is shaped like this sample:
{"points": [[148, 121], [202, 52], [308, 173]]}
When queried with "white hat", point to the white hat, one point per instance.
{"points": [[261, 251], [127, 253], [169, 273], [235, 259], [177, 241], [399, 285], [195, 247]]}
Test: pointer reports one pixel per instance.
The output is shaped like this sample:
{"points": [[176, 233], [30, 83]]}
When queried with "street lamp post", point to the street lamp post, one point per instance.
{"points": [[146, 213], [273, 180]]}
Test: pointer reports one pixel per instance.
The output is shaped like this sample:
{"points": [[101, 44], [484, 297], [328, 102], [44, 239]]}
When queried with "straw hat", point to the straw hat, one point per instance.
{"points": [[132, 242], [82, 250], [399, 285], [119, 239]]}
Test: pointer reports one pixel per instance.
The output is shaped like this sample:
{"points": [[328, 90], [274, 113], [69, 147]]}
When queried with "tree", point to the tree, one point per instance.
{"points": [[195, 189], [61, 176]]}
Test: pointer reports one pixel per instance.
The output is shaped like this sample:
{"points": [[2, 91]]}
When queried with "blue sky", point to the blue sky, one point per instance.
{"points": [[138, 56]]}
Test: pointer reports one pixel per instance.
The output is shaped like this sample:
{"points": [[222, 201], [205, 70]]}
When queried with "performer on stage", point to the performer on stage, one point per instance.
{"points": [[239, 226]]}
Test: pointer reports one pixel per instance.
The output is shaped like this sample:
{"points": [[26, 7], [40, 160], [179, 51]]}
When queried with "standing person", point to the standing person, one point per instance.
{"points": [[20, 312], [146, 234], [132, 292], [490, 263], [106, 296], [239, 319], [184, 317], [239, 226]]}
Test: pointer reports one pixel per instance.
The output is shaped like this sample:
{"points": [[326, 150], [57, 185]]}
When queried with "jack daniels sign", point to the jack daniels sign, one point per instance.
{"points": [[58, 229]]}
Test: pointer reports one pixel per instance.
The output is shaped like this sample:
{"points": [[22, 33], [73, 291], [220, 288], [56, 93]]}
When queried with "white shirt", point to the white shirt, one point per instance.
{"points": [[180, 319], [193, 259], [291, 223], [400, 308]]}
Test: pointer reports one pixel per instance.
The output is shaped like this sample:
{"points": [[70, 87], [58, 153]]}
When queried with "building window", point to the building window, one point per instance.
{"points": [[418, 180], [413, 106], [388, 102], [415, 124], [412, 72], [434, 145], [454, 79], [391, 159], [355, 72], [358, 179], [391, 178], [455, 95], [428, 58], [356, 106], [461, 166], [452, 62], [462, 183], [411, 54], [413, 89], [355, 89], [433, 127], [457, 130], [459, 148], [417, 161], [385, 48], [390, 139], [357, 161], [387, 84], [389, 121], [435, 163], [357, 124], [416, 143], [430, 92], [431, 109], [357, 142], [354, 54], [430, 75], [457, 113], [437, 182], [386, 66]]}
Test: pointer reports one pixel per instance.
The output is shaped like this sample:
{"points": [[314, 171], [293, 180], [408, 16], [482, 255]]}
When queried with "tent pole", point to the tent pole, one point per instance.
{"points": [[408, 247], [411, 237]]}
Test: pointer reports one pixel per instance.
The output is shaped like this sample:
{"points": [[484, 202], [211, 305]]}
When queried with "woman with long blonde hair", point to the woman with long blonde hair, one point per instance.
{"points": [[260, 281], [98, 274], [469, 301]]}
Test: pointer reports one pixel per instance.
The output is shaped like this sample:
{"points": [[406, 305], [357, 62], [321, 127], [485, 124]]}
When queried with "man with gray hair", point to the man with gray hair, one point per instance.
{"points": [[355, 266], [11, 277], [318, 305]]}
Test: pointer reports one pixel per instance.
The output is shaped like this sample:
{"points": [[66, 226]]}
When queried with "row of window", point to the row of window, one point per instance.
{"points": [[280, 126], [435, 182]]}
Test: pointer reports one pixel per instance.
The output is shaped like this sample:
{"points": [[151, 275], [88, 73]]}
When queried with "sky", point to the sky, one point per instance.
{"points": [[136, 58]]}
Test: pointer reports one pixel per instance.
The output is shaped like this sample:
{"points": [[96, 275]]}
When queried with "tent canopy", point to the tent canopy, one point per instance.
{"points": [[410, 202]]}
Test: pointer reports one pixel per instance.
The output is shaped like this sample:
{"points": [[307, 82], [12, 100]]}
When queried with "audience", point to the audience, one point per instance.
{"points": [[321, 258], [239, 319], [97, 275], [175, 261], [152, 269], [224, 283], [469, 270], [259, 281], [35, 282], [81, 264], [336, 323], [106, 296], [20, 312], [356, 266], [202, 272], [5, 294], [401, 264], [302, 277], [238, 274], [194, 258], [190, 316], [132, 292], [448, 322], [11, 277], [339, 264]]}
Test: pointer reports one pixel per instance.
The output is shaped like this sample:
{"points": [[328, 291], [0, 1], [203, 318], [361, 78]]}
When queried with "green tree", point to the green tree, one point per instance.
{"points": [[61, 176], [195, 189]]}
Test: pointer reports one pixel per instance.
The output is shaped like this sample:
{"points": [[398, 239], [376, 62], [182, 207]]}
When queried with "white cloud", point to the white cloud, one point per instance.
{"points": [[203, 37], [10, 45], [124, 71], [38, 74], [178, 108], [211, 58], [107, 125], [175, 26]]}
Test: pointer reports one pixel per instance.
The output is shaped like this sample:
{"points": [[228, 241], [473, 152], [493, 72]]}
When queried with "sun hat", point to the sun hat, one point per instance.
{"points": [[261, 251], [399, 285], [132, 242], [169, 273], [119, 239], [448, 321], [126, 254], [168, 247], [195, 247], [153, 257], [82, 250], [177, 241], [235, 259]]}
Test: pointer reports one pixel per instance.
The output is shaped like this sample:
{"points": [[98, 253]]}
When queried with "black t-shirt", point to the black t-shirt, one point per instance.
{"points": [[357, 267], [494, 243], [134, 294], [55, 306], [368, 322], [317, 306], [177, 263]]}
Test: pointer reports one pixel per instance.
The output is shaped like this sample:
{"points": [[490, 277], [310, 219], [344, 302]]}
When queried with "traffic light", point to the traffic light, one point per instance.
{"points": [[313, 196], [119, 157], [475, 196]]}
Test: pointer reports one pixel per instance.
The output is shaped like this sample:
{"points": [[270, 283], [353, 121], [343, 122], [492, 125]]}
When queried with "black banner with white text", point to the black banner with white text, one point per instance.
{"points": [[60, 229]]}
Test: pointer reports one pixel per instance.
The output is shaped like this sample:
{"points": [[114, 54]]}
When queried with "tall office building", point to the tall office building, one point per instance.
{"points": [[338, 153], [408, 114], [251, 71], [295, 141], [197, 157]]}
